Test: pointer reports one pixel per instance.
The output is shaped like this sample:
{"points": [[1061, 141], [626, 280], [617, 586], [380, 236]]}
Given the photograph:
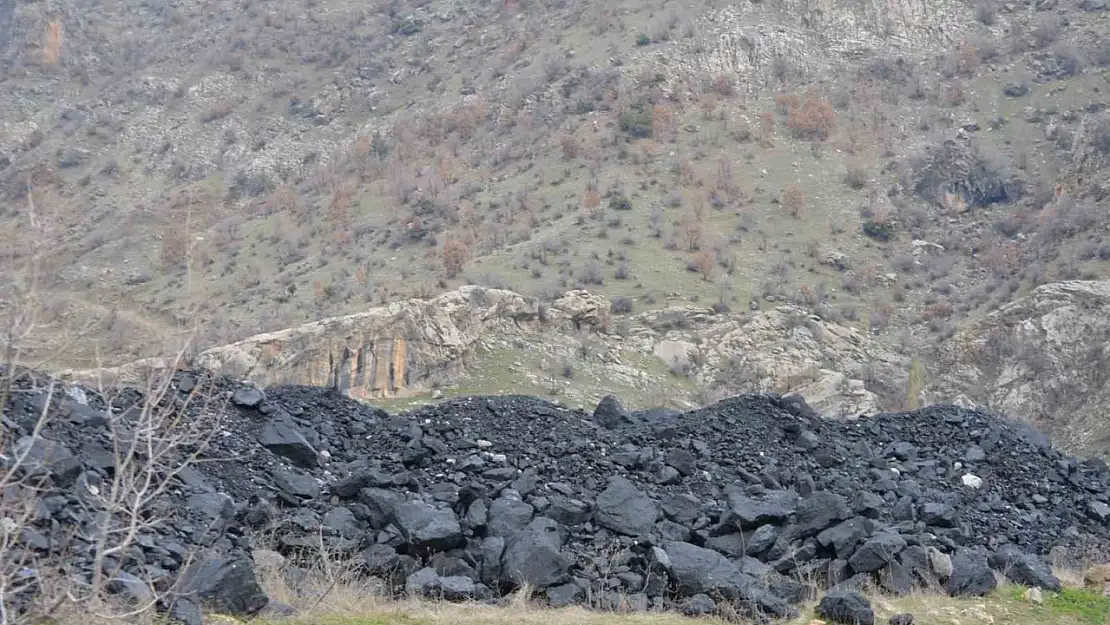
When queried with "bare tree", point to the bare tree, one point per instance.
{"points": [[151, 442]]}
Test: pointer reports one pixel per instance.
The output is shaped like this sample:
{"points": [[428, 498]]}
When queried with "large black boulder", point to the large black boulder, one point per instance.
{"points": [[820, 510], [971, 574], [1024, 568], [625, 509], [846, 607], [843, 537], [876, 552], [750, 513], [284, 438], [427, 528], [39, 456], [223, 583], [508, 515], [697, 570], [535, 556], [609, 413]]}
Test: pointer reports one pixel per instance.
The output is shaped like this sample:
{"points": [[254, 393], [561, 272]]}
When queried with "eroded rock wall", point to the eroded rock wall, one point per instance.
{"points": [[1045, 356], [404, 347]]}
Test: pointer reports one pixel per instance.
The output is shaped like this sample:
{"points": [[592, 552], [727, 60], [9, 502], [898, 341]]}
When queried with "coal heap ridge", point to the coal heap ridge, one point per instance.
{"points": [[747, 502]]}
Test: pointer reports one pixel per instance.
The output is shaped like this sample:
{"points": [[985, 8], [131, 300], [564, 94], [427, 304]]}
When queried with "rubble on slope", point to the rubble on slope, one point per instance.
{"points": [[745, 503]]}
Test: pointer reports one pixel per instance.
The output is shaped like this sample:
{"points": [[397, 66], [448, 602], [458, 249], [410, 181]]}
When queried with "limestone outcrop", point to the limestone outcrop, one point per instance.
{"points": [[1046, 356], [400, 348], [783, 349]]}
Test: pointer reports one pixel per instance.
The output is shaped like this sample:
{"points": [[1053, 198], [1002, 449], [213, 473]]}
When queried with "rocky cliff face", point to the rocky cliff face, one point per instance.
{"points": [[784, 349], [410, 347], [1046, 356], [402, 348]]}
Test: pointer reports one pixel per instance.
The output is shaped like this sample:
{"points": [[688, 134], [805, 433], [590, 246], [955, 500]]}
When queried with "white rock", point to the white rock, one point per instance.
{"points": [[268, 559], [941, 563], [484, 444], [972, 481], [78, 395], [1034, 596]]}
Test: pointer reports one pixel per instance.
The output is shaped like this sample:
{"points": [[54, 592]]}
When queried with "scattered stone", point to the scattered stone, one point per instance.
{"points": [[876, 552], [847, 607], [972, 481], [565, 595], [1097, 576], [282, 437], [624, 508], [222, 583], [1024, 568], [427, 528], [247, 397], [610, 413], [971, 574], [940, 563], [535, 556], [698, 605], [1033, 595]]}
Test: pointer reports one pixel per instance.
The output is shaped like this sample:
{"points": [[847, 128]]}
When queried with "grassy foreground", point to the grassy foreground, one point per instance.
{"points": [[1005, 606]]}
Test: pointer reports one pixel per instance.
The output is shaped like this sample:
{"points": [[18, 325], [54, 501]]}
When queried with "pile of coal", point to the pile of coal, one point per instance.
{"points": [[747, 506]]}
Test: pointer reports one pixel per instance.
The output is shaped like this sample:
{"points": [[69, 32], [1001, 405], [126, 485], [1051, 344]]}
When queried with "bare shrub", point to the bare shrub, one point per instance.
{"points": [[455, 255], [150, 444], [704, 263], [570, 147], [855, 176], [593, 273], [905, 263], [1100, 54], [878, 321], [621, 306], [218, 110], [1069, 62], [814, 120], [793, 201], [1046, 31], [1100, 134], [1064, 219], [986, 11]]}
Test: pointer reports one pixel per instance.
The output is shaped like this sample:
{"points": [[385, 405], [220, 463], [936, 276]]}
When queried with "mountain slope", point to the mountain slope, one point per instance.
{"points": [[238, 168]]}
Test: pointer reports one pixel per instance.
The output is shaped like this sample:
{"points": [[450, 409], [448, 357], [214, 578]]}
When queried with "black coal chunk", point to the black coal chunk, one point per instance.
{"points": [[624, 508], [425, 527], [535, 556], [223, 583], [846, 607], [1024, 568], [971, 574], [284, 438]]}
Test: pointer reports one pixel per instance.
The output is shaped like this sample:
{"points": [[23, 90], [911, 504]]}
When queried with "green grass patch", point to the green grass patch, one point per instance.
{"points": [[1069, 605]]}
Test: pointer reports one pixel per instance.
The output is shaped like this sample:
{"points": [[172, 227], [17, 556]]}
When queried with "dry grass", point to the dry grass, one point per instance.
{"points": [[1004, 606], [333, 595]]}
